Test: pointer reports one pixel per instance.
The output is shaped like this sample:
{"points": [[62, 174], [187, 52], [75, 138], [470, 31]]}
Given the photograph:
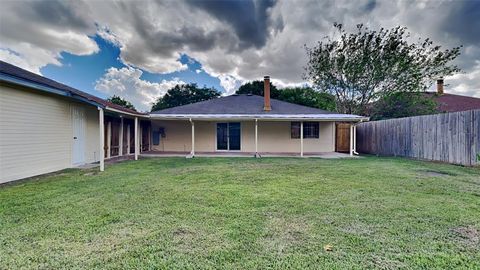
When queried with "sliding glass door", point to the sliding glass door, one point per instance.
{"points": [[228, 136], [233, 136], [222, 136]]}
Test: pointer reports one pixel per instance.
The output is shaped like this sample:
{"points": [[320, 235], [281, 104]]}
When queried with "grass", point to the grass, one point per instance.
{"points": [[244, 213]]}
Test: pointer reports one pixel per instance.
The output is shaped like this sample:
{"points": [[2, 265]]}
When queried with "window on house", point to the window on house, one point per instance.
{"points": [[295, 130], [310, 130]]}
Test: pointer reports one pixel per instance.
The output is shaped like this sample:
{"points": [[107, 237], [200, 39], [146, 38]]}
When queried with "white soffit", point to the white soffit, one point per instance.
{"points": [[320, 117]]}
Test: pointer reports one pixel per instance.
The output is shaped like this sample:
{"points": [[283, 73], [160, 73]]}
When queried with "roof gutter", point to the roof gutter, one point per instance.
{"points": [[47, 89], [333, 117], [126, 113]]}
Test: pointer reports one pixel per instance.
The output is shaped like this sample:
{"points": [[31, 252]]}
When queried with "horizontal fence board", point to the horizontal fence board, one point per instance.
{"points": [[449, 137]]}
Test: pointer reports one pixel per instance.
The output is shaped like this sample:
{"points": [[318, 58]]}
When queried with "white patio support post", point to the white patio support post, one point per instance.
{"points": [[109, 138], [351, 139], [136, 138], [301, 139], [128, 139], [192, 153], [256, 138], [101, 136], [120, 138]]}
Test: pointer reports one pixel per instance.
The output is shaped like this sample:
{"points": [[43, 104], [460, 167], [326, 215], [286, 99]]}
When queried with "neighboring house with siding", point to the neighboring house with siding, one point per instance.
{"points": [[47, 126]]}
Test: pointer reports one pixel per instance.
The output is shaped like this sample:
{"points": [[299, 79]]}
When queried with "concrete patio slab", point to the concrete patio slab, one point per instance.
{"points": [[328, 155]]}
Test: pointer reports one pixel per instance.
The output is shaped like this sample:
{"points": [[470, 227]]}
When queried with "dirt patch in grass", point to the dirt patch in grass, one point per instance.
{"points": [[467, 235], [185, 239], [358, 228], [435, 173], [284, 233], [381, 262], [188, 240]]}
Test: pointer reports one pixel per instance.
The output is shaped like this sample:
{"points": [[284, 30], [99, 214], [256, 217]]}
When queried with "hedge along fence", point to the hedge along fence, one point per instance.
{"points": [[448, 137]]}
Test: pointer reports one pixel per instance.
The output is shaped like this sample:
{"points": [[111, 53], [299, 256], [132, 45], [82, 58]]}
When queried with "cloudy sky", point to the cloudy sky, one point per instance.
{"points": [[139, 49]]}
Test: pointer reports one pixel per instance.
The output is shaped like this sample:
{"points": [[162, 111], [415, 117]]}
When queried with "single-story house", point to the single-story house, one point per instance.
{"points": [[48, 126], [247, 124]]}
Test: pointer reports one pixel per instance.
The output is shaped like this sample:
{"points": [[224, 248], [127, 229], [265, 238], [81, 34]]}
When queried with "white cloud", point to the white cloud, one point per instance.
{"points": [[281, 84], [467, 84], [234, 46], [28, 57], [33, 34], [229, 83], [126, 82]]}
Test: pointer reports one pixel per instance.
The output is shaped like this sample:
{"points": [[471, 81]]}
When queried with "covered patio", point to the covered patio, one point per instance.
{"points": [[328, 155], [242, 136], [122, 135]]}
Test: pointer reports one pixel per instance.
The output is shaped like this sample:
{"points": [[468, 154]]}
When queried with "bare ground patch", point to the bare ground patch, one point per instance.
{"points": [[358, 228], [434, 173], [381, 262], [467, 235], [284, 233], [194, 241]]}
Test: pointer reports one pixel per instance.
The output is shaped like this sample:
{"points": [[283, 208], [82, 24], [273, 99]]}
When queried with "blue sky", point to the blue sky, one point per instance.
{"points": [[82, 72], [140, 49]]}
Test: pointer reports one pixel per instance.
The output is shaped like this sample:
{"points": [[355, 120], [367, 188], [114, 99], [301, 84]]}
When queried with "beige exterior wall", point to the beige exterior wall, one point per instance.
{"points": [[273, 137], [177, 136], [36, 133], [92, 140]]}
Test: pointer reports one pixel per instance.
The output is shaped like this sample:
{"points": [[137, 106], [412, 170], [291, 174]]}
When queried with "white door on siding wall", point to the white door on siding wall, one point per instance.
{"points": [[78, 125]]}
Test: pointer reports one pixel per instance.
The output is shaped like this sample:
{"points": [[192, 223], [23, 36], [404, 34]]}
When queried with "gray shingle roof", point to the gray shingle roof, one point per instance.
{"points": [[241, 104]]}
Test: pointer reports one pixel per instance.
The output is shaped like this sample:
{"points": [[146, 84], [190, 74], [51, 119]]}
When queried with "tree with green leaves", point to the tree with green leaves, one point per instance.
{"points": [[183, 94], [308, 97], [403, 104], [299, 95], [121, 101], [364, 66], [256, 88]]}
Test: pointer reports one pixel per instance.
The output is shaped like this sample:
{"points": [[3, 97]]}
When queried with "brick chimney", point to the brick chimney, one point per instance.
{"points": [[440, 86], [266, 94]]}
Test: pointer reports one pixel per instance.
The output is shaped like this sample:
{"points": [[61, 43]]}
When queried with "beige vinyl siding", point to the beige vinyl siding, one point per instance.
{"points": [[36, 133], [92, 140], [273, 137]]}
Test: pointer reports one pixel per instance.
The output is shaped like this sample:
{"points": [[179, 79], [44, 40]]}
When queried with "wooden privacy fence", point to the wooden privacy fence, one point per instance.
{"points": [[448, 137]]}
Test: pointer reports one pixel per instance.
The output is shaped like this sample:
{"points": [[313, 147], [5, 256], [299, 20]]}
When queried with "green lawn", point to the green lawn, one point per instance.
{"points": [[245, 213]]}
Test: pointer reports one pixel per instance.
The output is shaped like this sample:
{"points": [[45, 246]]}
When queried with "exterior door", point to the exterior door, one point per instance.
{"points": [[222, 136], [342, 140], [228, 136], [233, 136], [78, 126]]}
